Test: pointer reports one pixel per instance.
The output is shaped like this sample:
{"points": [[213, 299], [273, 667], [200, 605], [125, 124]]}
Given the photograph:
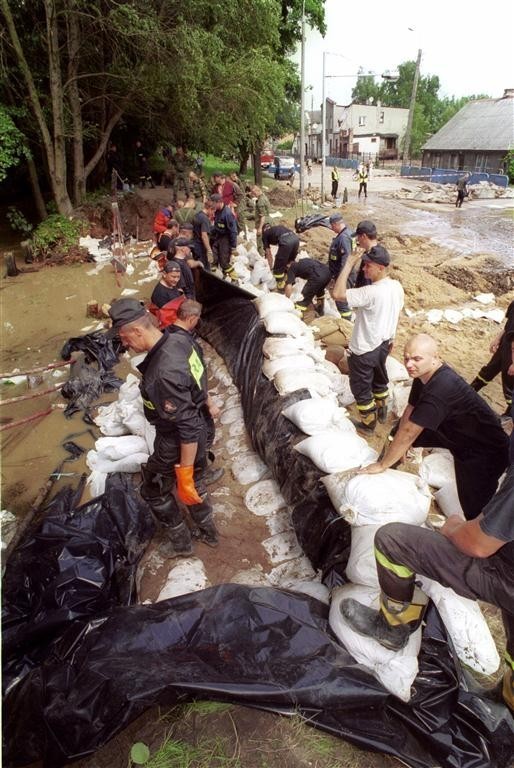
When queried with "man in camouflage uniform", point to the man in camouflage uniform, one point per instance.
{"points": [[181, 172], [262, 210]]}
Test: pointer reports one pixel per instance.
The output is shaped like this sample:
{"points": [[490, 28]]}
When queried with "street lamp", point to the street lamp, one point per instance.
{"points": [[387, 75]]}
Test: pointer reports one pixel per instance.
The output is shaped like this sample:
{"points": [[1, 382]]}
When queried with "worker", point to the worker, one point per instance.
{"points": [[167, 288], [161, 221], [502, 362], [377, 309], [180, 252], [288, 246], [223, 236], [445, 412], [340, 250], [175, 400], [185, 214], [335, 181], [262, 210], [317, 276], [169, 234], [362, 178], [181, 178], [202, 225], [462, 189], [475, 558]]}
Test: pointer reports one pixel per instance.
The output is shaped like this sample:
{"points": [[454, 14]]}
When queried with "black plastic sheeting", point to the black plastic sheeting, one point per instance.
{"points": [[81, 662], [312, 220]]}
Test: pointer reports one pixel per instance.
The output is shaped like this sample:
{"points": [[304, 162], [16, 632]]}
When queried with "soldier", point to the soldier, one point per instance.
{"points": [[181, 172], [261, 215]]}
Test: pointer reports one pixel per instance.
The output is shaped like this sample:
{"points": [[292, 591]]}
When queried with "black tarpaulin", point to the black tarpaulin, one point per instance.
{"points": [[81, 662]]}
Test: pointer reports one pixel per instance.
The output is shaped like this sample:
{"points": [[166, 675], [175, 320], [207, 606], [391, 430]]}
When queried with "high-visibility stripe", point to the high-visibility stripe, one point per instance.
{"points": [[411, 612], [509, 660], [381, 395], [481, 378], [398, 570], [367, 407], [148, 404], [196, 367]]}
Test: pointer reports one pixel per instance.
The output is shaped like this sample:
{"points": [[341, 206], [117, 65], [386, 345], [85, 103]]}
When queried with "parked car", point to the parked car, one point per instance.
{"points": [[267, 159], [283, 167]]}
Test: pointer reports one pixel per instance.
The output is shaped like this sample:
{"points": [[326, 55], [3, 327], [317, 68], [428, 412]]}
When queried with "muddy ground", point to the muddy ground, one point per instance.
{"points": [[41, 310]]}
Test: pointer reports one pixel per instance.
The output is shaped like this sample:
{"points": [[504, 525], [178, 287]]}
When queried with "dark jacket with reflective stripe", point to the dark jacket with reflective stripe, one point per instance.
{"points": [[174, 386]]}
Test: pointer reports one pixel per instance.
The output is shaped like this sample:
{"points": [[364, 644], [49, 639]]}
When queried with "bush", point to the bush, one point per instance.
{"points": [[509, 165], [56, 234], [286, 146]]}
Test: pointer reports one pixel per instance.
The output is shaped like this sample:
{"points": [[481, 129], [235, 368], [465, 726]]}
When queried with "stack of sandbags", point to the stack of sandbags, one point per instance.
{"points": [[438, 470], [332, 330]]}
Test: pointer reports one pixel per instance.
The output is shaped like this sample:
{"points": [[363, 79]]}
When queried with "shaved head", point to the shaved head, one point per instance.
{"points": [[421, 357]]}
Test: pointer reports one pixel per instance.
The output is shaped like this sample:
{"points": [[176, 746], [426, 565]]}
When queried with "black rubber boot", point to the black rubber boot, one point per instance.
{"points": [[178, 543], [212, 475], [382, 409], [206, 530], [366, 621], [366, 424]]}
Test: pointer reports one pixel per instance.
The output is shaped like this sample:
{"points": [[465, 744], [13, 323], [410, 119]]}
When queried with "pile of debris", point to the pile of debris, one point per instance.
{"points": [[445, 193]]}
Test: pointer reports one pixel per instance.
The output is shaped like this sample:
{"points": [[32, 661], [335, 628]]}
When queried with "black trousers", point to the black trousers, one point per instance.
{"points": [[368, 376], [159, 479], [476, 475], [460, 198], [221, 252], [363, 187], [315, 286], [403, 551], [500, 363], [335, 185], [287, 251]]}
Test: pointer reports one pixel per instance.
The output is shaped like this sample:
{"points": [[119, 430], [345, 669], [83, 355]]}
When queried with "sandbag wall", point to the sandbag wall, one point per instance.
{"points": [[231, 325]]}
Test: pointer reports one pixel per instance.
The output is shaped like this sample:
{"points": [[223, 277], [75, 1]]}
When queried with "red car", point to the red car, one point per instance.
{"points": [[267, 159]]}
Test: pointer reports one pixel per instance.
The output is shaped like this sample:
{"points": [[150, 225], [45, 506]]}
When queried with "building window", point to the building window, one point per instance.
{"points": [[374, 140], [362, 120], [381, 117]]}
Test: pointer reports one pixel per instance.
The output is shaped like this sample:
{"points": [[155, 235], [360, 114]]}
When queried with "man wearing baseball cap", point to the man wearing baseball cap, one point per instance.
{"points": [[340, 249], [377, 309], [167, 288], [366, 237], [223, 236], [176, 402]]}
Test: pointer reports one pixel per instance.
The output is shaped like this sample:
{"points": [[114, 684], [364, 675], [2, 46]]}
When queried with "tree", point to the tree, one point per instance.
{"points": [[13, 144]]}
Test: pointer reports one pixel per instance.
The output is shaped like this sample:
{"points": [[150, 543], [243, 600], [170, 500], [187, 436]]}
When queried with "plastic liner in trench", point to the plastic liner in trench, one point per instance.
{"points": [[81, 662]]}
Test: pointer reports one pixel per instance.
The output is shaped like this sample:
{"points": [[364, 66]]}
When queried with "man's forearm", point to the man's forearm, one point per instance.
{"points": [[188, 454], [402, 441], [339, 290]]}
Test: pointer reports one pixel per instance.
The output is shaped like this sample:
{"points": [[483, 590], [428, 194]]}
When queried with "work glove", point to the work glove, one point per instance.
{"points": [[186, 490]]}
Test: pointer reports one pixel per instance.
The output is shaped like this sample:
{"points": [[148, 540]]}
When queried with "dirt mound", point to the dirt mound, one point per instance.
{"points": [[476, 277], [137, 214], [282, 197]]}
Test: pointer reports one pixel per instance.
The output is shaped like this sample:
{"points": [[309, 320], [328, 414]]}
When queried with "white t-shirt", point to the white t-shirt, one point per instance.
{"points": [[377, 309]]}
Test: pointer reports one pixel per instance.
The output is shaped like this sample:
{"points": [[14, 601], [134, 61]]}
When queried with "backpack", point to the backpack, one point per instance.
{"points": [[167, 314]]}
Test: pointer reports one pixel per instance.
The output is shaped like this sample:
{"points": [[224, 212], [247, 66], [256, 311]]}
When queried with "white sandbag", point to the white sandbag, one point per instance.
{"points": [[396, 371], [274, 302], [274, 348], [96, 482], [362, 567], [114, 448], [401, 393], [248, 468], [333, 451], [317, 415], [264, 498], [285, 323], [134, 420], [453, 315], [387, 497], [434, 316], [110, 420], [286, 381], [466, 626], [282, 547], [448, 501], [231, 415], [437, 468], [126, 464], [253, 289], [498, 315], [187, 576], [292, 362], [241, 270], [484, 298], [313, 589], [337, 379], [396, 670], [346, 397], [329, 307], [261, 273]]}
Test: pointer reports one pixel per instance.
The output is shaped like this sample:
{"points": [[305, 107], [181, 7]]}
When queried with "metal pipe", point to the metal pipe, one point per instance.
{"points": [[36, 370], [410, 119], [302, 108], [32, 395], [323, 129], [20, 422]]}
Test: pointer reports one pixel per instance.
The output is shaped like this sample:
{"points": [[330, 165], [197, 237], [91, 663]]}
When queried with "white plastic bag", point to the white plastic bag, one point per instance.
{"points": [[248, 468], [448, 501], [292, 363], [274, 348], [286, 323], [317, 415], [362, 567], [274, 302], [396, 670], [387, 497], [286, 381], [333, 451], [437, 468], [114, 448], [396, 371]]}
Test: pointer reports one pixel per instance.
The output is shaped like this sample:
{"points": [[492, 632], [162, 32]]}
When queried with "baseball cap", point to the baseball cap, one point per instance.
{"points": [[335, 217], [179, 241], [187, 227], [171, 266], [365, 228], [378, 255], [216, 198], [124, 311]]}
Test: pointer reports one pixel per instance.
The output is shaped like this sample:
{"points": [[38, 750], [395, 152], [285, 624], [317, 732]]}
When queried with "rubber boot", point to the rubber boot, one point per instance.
{"points": [[381, 408], [206, 528], [178, 541], [212, 475], [320, 307], [301, 308], [508, 688], [477, 384], [280, 280], [346, 315], [392, 625], [367, 422]]}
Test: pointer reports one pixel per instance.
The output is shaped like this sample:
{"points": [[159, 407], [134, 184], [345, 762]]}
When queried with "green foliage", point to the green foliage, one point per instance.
{"points": [[56, 233], [285, 145], [13, 144], [18, 221]]}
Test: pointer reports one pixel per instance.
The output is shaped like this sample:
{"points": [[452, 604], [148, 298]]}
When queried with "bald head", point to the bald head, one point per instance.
{"points": [[421, 357]]}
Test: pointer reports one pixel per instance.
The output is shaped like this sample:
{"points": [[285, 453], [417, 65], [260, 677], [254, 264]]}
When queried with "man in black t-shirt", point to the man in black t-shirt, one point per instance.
{"points": [[317, 276], [445, 412], [288, 246], [167, 288], [502, 361], [202, 225], [474, 557]]}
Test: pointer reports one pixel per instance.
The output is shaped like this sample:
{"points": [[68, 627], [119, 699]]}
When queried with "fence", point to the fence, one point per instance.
{"points": [[451, 176]]}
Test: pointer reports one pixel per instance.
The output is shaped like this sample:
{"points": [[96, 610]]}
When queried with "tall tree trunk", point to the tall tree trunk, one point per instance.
{"points": [[257, 170], [59, 186], [73, 39], [36, 190]]}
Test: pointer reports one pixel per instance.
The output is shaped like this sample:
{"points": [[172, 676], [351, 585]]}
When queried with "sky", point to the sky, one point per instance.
{"points": [[466, 44]]}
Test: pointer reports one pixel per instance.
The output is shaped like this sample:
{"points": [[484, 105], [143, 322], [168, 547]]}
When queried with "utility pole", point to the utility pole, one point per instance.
{"points": [[408, 132], [323, 130], [302, 107]]}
